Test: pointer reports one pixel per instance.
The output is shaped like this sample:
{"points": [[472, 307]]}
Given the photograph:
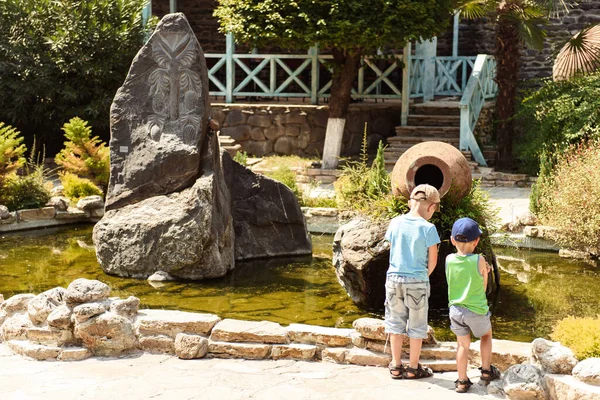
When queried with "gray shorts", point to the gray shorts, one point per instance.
{"points": [[463, 320], [406, 306]]}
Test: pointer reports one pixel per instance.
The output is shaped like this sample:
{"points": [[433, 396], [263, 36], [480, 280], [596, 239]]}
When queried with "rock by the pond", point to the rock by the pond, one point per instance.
{"points": [[4, 213], [553, 357], [267, 217], [588, 371], [159, 117], [83, 312], [44, 303], [60, 317], [85, 291], [522, 382], [189, 234], [59, 202], [127, 308], [361, 260], [57, 191], [107, 334], [160, 276], [15, 327], [189, 346], [17, 303], [90, 203]]}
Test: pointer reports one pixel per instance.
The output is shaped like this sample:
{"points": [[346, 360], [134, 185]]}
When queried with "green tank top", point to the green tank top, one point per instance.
{"points": [[465, 283]]}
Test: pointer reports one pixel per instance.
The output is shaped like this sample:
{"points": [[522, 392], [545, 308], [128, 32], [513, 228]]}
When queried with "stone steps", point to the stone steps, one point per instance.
{"points": [[227, 143], [427, 130], [434, 120]]}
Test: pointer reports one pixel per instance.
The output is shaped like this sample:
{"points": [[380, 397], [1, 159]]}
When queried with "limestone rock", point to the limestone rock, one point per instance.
{"points": [[367, 357], [57, 191], [304, 352], [17, 303], [59, 203], [90, 203], [567, 387], [3, 317], [83, 312], [361, 260], [370, 328], [4, 213], [248, 351], [190, 347], [127, 308], [85, 290], [264, 209], [60, 317], [36, 351], [523, 382], [49, 336], [505, 353], [15, 327], [107, 334], [553, 357], [157, 344], [588, 371], [160, 276], [232, 330], [44, 303], [170, 323], [334, 354], [319, 335], [74, 354], [36, 214], [189, 234], [159, 117]]}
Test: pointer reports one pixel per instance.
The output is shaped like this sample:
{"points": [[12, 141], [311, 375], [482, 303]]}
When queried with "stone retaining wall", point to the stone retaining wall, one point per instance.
{"points": [[57, 212]]}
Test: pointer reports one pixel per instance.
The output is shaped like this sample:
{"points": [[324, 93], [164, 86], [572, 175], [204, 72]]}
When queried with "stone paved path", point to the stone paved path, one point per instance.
{"points": [[165, 377]]}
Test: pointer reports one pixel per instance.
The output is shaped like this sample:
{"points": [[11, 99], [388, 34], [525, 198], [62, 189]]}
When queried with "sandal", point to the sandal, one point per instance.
{"points": [[462, 386], [488, 375], [417, 373], [396, 371]]}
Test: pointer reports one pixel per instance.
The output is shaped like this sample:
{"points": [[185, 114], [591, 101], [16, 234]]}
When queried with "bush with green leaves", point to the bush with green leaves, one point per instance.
{"points": [[241, 157], [567, 197], [84, 155], [31, 190], [76, 188], [12, 150], [582, 335], [64, 58], [556, 115]]}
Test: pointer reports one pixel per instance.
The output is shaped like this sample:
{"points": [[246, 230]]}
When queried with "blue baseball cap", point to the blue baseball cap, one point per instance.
{"points": [[467, 229]]}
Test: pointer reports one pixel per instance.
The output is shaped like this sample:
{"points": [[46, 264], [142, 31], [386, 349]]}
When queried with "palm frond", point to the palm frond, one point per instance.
{"points": [[528, 20], [580, 55], [473, 9], [556, 8]]}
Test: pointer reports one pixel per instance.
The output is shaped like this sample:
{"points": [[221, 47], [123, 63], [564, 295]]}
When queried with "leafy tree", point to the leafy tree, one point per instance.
{"points": [[60, 58], [12, 151], [518, 23], [84, 155], [348, 29]]}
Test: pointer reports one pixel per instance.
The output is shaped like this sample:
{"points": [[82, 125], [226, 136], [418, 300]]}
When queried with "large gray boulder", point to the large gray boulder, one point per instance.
{"points": [[159, 117], [361, 258], [553, 357], [520, 382], [267, 217]]}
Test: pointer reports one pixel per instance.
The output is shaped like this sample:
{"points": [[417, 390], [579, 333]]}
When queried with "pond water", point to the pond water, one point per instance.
{"points": [[537, 288]]}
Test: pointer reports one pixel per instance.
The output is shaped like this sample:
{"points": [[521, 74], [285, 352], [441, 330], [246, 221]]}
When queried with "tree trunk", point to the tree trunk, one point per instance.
{"points": [[341, 89], [508, 59]]}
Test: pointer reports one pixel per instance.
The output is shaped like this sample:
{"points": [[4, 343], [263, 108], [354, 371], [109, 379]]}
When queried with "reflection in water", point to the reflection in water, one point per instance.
{"points": [[537, 288]]}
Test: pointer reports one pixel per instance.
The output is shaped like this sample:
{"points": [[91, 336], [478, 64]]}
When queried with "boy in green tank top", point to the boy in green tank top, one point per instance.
{"points": [[467, 276]]}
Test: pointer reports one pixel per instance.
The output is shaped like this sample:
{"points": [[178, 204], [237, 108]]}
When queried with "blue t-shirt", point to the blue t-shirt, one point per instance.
{"points": [[410, 238]]}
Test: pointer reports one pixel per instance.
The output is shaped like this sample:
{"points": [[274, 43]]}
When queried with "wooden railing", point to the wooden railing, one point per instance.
{"points": [[480, 88], [451, 74]]}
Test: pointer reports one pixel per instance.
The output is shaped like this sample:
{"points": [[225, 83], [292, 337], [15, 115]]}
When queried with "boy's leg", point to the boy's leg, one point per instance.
{"points": [[396, 347], [486, 350], [462, 355], [416, 297], [415, 352]]}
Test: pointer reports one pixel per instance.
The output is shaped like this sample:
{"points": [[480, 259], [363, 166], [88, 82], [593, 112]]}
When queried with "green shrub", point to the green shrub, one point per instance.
{"points": [[286, 176], [65, 58], [28, 191], [557, 115], [241, 157], [76, 188], [568, 197], [582, 335], [12, 150], [84, 155]]}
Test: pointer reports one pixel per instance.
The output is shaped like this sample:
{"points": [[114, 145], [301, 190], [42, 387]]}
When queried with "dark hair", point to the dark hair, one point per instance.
{"points": [[461, 238]]}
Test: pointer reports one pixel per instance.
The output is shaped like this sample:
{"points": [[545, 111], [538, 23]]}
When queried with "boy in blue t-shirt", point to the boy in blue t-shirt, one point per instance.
{"points": [[413, 257]]}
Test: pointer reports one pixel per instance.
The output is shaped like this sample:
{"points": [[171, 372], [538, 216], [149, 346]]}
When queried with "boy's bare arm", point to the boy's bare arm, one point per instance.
{"points": [[484, 269], [432, 258]]}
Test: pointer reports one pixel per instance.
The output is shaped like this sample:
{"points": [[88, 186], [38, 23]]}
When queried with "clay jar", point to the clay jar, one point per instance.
{"points": [[439, 164]]}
